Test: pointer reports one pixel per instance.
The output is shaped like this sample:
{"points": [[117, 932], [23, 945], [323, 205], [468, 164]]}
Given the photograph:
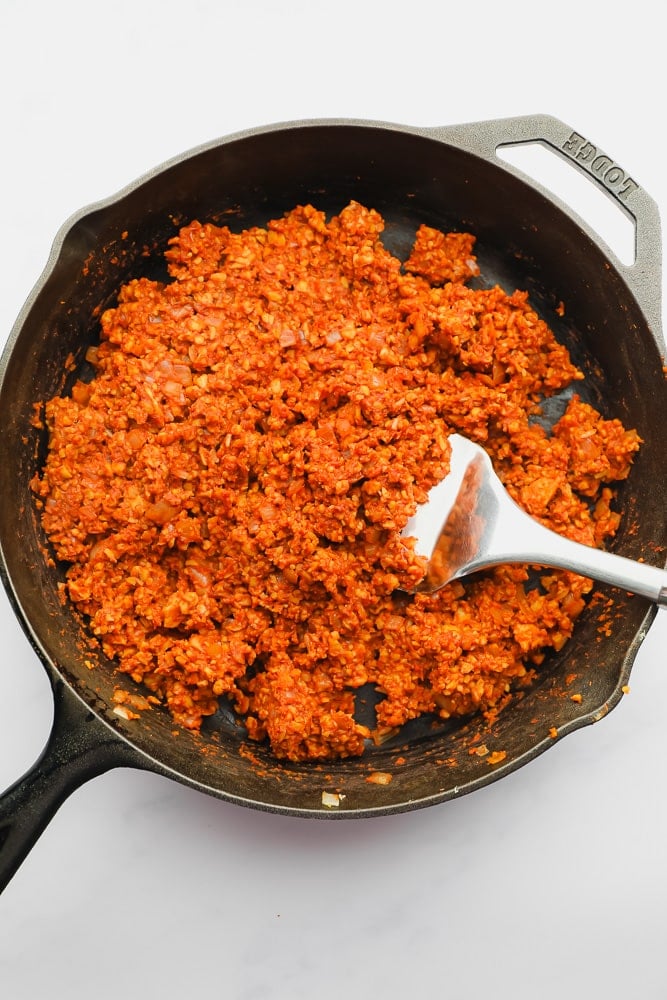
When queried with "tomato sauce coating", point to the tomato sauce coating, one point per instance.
{"points": [[229, 490]]}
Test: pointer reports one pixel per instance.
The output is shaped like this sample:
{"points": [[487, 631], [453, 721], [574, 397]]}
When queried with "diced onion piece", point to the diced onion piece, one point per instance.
{"points": [[332, 799], [379, 778]]}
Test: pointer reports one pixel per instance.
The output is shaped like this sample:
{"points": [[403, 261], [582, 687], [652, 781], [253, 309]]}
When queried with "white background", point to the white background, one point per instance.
{"points": [[551, 883]]}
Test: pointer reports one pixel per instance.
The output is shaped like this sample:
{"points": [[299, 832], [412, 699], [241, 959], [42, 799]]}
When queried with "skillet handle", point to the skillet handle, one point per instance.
{"points": [[644, 275], [79, 747]]}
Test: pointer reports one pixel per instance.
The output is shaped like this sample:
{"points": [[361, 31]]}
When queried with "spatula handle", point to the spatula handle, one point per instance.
{"points": [[532, 543]]}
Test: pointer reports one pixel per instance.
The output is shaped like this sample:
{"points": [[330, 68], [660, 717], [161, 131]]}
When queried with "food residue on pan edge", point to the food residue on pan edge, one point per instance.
{"points": [[228, 491]]}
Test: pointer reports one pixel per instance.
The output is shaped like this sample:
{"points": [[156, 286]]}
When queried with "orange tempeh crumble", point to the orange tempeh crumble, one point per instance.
{"points": [[229, 490]]}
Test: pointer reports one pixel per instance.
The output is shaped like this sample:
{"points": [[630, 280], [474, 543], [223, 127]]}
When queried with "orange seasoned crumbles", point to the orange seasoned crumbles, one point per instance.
{"points": [[229, 490]]}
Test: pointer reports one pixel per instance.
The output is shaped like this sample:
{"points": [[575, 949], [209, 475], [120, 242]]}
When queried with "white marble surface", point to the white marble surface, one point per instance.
{"points": [[547, 884]]}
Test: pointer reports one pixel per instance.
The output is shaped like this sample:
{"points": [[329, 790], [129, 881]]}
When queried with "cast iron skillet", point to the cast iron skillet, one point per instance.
{"points": [[450, 178]]}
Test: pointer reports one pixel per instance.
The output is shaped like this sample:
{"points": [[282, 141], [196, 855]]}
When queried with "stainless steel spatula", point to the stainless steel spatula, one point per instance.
{"points": [[470, 522]]}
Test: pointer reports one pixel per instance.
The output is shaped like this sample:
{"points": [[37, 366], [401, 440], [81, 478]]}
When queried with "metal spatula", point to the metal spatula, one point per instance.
{"points": [[470, 522]]}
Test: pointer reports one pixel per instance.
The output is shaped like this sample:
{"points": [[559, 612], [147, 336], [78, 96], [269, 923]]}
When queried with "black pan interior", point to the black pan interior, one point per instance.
{"points": [[523, 241]]}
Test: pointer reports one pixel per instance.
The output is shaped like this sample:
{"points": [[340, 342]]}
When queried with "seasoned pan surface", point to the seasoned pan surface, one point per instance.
{"points": [[450, 179]]}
